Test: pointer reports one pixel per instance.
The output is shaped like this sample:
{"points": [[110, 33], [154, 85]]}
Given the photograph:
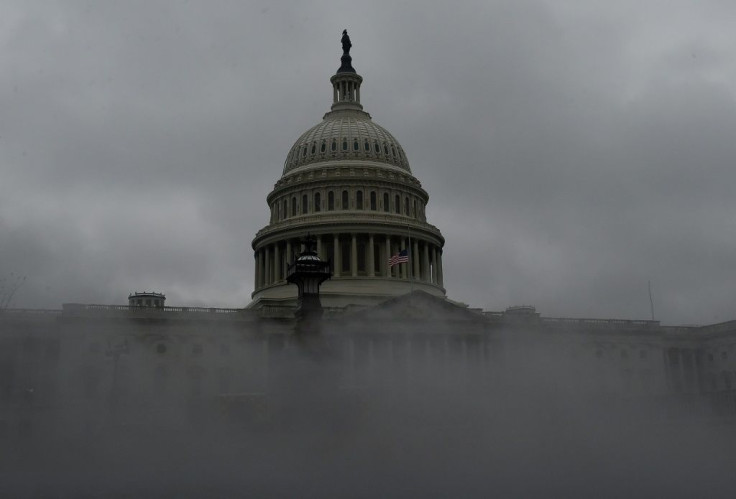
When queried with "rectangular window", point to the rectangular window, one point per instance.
{"points": [[386, 204], [330, 201], [317, 202], [373, 200], [359, 200], [397, 204], [344, 200], [305, 204]]}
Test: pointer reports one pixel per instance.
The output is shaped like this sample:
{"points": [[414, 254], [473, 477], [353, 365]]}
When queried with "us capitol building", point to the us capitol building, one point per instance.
{"points": [[347, 184]]}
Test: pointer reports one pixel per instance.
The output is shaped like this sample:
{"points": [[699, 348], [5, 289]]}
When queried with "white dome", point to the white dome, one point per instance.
{"points": [[346, 134]]}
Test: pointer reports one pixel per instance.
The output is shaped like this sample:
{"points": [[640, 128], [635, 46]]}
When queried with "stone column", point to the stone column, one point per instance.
{"points": [[258, 270], [414, 260], [263, 267], [267, 276], [440, 275], [353, 254], [404, 266], [277, 263], [288, 252], [370, 264], [319, 247], [337, 265], [434, 265], [425, 261], [397, 268], [387, 268], [683, 378]]}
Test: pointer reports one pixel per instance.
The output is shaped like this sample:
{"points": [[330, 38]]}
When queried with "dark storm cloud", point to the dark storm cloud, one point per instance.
{"points": [[571, 153]]}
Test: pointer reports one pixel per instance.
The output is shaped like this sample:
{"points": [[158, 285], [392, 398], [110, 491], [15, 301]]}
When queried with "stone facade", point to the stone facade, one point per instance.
{"points": [[78, 369]]}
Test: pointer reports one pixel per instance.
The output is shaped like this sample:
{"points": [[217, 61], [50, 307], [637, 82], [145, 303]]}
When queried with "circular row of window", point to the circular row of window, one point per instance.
{"points": [[299, 154], [290, 207]]}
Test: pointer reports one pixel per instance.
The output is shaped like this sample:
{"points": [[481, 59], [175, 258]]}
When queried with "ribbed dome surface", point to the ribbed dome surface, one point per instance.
{"points": [[346, 134]]}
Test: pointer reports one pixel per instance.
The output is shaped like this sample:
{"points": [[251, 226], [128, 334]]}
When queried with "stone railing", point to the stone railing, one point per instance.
{"points": [[30, 311], [131, 311], [379, 171], [347, 216], [619, 323], [85, 306], [722, 327]]}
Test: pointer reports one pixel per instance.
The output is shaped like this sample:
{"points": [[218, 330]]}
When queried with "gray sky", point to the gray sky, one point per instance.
{"points": [[572, 150]]}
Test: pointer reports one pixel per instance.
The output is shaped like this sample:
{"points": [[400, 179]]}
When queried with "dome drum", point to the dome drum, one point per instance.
{"points": [[360, 260]]}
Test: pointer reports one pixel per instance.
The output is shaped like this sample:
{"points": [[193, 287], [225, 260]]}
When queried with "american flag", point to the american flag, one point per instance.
{"points": [[401, 257]]}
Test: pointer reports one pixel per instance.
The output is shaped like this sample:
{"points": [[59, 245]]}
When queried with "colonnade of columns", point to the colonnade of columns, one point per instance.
{"points": [[346, 91], [682, 369], [355, 254]]}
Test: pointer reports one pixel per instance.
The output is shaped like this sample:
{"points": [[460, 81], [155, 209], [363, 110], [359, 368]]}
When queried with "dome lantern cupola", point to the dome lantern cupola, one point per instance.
{"points": [[346, 82]]}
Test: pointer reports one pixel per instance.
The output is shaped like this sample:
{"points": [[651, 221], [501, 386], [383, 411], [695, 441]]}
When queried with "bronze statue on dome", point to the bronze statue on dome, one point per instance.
{"points": [[345, 42], [346, 65]]}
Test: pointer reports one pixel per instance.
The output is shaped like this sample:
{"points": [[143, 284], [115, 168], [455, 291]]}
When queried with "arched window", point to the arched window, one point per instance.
{"points": [[334, 145], [356, 146], [386, 204], [373, 200], [314, 148], [359, 200], [376, 147], [305, 204], [293, 206], [330, 201], [367, 146], [397, 204], [317, 201], [323, 147], [344, 200], [344, 144]]}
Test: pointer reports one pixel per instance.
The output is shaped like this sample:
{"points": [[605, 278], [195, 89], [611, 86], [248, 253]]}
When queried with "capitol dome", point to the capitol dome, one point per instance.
{"points": [[346, 134], [346, 182]]}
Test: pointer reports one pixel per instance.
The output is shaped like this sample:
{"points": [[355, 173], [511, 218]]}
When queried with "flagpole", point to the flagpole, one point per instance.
{"points": [[410, 261]]}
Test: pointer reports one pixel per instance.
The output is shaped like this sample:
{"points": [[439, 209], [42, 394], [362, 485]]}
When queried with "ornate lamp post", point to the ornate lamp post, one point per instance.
{"points": [[308, 272]]}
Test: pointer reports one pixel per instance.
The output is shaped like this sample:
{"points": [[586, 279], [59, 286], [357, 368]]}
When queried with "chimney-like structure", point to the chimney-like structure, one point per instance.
{"points": [[308, 272]]}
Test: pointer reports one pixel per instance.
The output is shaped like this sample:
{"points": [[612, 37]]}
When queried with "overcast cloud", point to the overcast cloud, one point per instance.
{"points": [[573, 151]]}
